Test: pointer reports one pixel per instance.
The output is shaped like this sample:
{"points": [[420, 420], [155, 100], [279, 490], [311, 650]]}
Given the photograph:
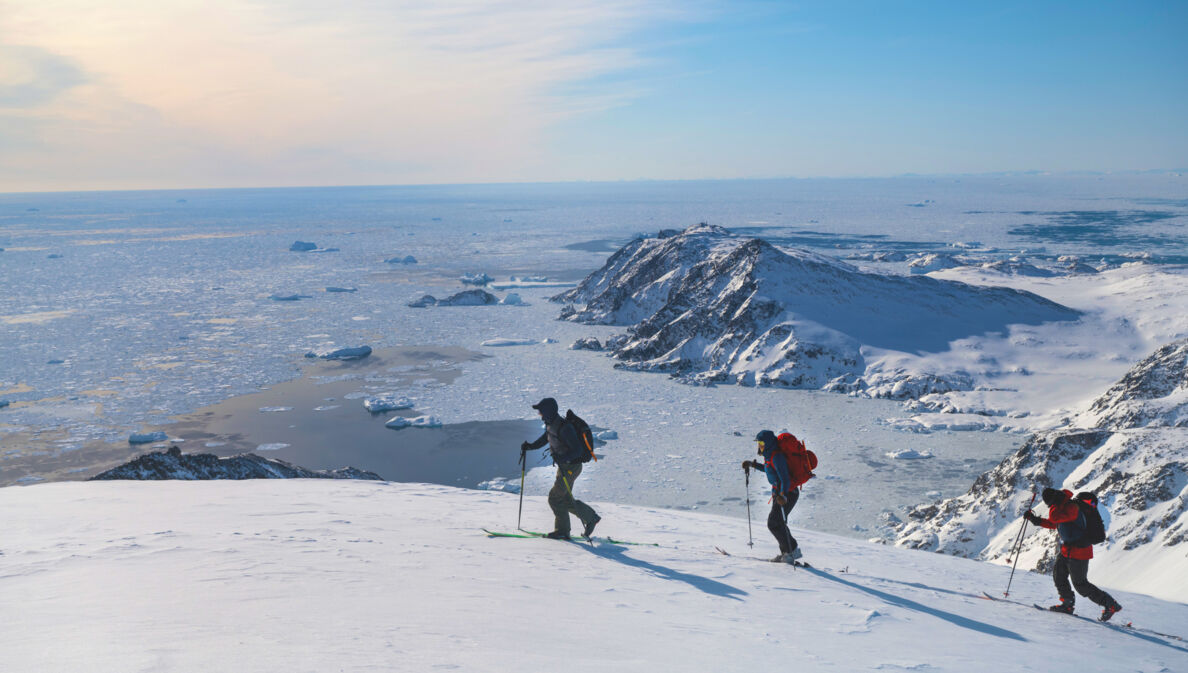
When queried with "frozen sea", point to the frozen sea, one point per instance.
{"points": [[138, 311]]}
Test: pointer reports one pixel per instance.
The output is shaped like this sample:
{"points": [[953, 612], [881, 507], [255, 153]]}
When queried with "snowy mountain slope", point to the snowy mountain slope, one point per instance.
{"points": [[299, 575], [709, 306], [173, 464], [1130, 446]]}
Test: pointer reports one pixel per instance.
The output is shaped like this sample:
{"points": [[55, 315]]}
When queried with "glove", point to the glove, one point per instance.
{"points": [[1031, 517], [525, 447], [779, 498], [746, 466]]}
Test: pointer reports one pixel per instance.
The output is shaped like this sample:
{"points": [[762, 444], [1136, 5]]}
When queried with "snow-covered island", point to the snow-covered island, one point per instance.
{"points": [[707, 306]]}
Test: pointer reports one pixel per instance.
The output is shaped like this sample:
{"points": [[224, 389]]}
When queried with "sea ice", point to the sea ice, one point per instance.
{"points": [[276, 446], [275, 409]]}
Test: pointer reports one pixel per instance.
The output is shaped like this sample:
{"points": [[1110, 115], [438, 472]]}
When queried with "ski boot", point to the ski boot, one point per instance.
{"points": [[557, 535], [1108, 611], [1063, 606]]}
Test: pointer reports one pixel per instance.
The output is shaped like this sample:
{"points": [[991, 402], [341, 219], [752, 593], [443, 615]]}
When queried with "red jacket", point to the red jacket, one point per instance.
{"points": [[1063, 512]]}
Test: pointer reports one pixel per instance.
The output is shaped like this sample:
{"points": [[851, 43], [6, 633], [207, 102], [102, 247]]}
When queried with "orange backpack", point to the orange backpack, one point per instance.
{"points": [[801, 461]]}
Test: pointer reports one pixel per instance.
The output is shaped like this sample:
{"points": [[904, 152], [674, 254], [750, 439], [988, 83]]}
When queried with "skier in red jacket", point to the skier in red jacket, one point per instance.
{"points": [[1064, 515]]}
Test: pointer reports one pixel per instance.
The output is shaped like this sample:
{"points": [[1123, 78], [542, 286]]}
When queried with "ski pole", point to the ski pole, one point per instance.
{"points": [[1019, 544], [523, 464], [750, 540]]}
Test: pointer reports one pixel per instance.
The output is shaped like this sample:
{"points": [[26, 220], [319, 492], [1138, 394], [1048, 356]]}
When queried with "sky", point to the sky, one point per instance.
{"points": [[143, 94]]}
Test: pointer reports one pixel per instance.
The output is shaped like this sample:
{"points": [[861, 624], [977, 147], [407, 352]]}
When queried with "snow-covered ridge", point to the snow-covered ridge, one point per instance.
{"points": [[319, 575], [173, 464], [708, 306], [1130, 446]]}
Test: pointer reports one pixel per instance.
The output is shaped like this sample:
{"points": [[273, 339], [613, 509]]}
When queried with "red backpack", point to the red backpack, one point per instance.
{"points": [[801, 461]]}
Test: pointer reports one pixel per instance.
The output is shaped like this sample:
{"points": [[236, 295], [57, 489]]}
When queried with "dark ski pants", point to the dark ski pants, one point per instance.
{"points": [[1078, 569], [561, 498], [777, 521]]}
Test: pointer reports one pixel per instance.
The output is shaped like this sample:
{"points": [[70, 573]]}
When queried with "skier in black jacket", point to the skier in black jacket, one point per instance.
{"points": [[567, 449]]}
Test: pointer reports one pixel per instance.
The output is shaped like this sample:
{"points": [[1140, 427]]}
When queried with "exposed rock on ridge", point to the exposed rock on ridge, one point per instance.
{"points": [[173, 464]]}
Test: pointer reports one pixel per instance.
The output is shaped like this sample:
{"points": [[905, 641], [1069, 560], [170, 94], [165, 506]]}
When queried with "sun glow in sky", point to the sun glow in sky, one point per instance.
{"points": [[131, 94]]}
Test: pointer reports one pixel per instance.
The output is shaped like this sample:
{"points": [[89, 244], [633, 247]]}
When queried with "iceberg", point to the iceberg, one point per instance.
{"points": [[356, 353], [499, 343], [475, 279], [302, 246], [908, 454], [512, 299], [147, 437], [400, 422], [342, 289], [381, 403], [407, 259]]}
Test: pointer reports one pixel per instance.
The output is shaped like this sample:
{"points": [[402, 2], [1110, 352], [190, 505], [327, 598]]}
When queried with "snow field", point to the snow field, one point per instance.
{"points": [[301, 575]]}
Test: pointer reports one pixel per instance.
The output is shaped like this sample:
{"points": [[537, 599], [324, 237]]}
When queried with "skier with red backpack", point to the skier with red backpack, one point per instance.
{"points": [[788, 465], [1080, 527], [571, 444]]}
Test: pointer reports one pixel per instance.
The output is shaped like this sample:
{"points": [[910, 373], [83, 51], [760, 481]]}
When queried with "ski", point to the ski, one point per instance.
{"points": [[1113, 625], [577, 538], [796, 564]]}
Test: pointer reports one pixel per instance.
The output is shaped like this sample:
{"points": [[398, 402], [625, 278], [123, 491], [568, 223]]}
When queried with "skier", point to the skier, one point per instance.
{"points": [[784, 494], [568, 451], [1064, 515]]}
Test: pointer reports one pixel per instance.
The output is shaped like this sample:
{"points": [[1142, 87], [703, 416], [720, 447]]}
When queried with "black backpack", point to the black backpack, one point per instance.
{"points": [[1094, 526], [584, 453]]}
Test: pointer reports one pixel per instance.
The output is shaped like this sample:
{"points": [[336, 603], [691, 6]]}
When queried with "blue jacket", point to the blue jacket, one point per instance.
{"points": [[776, 468]]}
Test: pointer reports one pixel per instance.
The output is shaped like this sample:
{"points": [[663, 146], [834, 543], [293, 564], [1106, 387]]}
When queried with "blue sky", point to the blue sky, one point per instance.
{"points": [[180, 93]]}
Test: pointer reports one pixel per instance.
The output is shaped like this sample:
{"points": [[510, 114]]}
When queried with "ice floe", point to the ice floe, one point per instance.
{"points": [[908, 454], [381, 403], [399, 422]]}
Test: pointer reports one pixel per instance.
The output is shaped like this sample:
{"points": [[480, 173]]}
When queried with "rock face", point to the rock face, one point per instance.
{"points": [[708, 306], [173, 464], [1130, 446]]}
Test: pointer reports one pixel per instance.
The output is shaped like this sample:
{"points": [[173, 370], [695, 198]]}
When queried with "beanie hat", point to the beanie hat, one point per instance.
{"points": [[1052, 496], [767, 437]]}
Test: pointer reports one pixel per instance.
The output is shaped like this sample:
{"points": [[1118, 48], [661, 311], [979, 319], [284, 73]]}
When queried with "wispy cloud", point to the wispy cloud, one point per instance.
{"points": [[282, 92]]}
